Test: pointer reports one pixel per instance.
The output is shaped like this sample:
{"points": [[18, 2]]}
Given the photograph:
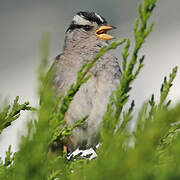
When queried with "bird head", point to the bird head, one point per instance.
{"points": [[88, 24]]}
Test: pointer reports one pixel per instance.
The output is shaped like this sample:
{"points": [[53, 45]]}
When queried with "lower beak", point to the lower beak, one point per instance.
{"points": [[102, 30]]}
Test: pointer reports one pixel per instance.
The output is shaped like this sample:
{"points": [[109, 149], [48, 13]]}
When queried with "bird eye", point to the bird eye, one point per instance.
{"points": [[87, 27]]}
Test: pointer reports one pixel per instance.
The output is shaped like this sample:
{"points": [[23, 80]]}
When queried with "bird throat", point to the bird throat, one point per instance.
{"points": [[83, 43]]}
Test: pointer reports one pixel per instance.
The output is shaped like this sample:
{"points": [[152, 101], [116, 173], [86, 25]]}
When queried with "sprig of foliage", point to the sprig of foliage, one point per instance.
{"points": [[61, 134], [8, 115], [166, 87], [129, 73], [6, 166], [141, 31]]}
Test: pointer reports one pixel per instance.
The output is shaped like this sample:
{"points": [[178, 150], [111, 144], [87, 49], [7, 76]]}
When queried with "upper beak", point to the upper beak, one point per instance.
{"points": [[102, 30]]}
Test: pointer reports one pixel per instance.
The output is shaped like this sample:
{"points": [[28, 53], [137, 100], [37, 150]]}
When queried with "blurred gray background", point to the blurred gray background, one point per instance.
{"points": [[22, 23]]}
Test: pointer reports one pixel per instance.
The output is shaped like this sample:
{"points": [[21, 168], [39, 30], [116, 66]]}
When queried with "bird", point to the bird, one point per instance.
{"points": [[84, 37]]}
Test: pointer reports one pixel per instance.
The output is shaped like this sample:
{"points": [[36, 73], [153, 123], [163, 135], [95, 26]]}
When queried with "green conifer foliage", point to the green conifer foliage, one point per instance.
{"points": [[149, 151]]}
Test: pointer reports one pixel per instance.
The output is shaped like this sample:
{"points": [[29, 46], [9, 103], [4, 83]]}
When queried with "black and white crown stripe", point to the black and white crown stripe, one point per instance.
{"points": [[82, 19], [92, 17], [101, 18]]}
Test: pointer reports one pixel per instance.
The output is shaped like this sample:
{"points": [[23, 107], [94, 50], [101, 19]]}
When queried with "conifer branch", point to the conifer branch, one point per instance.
{"points": [[121, 95], [165, 88], [8, 115]]}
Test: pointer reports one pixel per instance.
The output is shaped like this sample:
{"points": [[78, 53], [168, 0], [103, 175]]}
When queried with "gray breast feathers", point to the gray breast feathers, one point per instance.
{"points": [[91, 99]]}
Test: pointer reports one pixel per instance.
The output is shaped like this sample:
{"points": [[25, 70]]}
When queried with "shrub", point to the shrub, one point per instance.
{"points": [[149, 151]]}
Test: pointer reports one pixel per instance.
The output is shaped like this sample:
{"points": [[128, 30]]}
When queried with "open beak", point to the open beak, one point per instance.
{"points": [[102, 30]]}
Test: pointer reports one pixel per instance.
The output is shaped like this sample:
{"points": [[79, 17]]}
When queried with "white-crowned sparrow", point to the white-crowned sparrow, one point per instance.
{"points": [[84, 38]]}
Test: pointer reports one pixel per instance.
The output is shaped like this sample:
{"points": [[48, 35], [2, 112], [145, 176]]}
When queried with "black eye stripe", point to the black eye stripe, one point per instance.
{"points": [[87, 27], [78, 26]]}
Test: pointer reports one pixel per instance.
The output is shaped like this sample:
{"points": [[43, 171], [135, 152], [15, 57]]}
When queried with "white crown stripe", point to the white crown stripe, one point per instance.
{"points": [[99, 17], [81, 21]]}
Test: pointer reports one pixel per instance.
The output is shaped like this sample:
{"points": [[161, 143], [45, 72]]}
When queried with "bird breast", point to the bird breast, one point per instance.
{"points": [[91, 99]]}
